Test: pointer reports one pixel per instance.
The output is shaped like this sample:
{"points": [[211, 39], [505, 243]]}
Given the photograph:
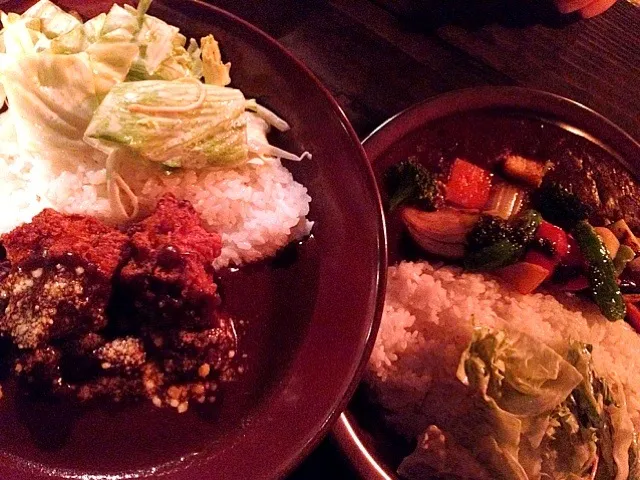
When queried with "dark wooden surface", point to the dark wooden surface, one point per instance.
{"points": [[379, 57]]}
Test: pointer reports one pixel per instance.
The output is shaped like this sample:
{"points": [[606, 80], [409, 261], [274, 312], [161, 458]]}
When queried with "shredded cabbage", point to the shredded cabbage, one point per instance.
{"points": [[530, 413], [122, 86]]}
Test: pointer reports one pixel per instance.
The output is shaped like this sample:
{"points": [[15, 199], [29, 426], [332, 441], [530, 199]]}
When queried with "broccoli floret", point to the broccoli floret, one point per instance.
{"points": [[411, 183], [559, 206], [491, 230], [525, 226], [488, 231]]}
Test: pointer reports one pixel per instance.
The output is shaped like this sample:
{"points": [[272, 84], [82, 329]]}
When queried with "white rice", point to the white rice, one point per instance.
{"points": [[428, 320], [256, 208]]}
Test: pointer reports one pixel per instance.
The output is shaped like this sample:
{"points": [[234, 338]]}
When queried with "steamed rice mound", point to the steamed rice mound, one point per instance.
{"points": [[428, 319], [257, 208]]}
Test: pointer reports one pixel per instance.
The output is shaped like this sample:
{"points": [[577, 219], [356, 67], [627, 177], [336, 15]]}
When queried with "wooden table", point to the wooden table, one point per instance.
{"points": [[379, 57]]}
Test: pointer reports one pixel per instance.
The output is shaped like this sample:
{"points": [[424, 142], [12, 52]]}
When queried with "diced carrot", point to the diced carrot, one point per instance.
{"points": [[469, 185], [523, 277], [633, 316], [538, 258]]}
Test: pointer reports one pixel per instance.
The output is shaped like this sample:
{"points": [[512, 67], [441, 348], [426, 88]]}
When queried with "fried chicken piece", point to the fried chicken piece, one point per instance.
{"points": [[122, 356], [169, 279], [187, 355], [40, 369], [55, 235], [190, 365], [115, 388], [60, 277], [122, 365]]}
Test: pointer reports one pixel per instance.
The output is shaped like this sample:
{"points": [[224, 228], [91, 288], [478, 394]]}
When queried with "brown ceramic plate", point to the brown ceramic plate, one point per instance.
{"points": [[475, 123], [312, 312]]}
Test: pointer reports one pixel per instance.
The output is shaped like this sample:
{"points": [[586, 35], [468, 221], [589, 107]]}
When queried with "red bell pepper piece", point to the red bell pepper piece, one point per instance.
{"points": [[554, 235], [575, 284], [573, 258], [557, 237], [469, 185], [633, 316]]}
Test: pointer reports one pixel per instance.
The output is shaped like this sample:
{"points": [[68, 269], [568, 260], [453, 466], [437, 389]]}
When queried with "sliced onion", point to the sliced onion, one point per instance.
{"points": [[505, 200]]}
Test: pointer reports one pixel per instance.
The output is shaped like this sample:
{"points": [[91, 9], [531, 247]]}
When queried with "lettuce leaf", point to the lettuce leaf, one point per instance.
{"points": [[93, 27], [162, 53], [519, 386], [542, 414], [120, 25], [523, 376], [74, 41], [110, 63], [54, 20], [176, 123], [52, 99], [214, 70]]}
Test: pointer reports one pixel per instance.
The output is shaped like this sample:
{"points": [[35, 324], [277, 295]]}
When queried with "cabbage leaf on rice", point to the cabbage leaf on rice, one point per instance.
{"points": [[532, 413], [54, 21], [55, 71], [54, 78], [52, 99], [178, 124]]}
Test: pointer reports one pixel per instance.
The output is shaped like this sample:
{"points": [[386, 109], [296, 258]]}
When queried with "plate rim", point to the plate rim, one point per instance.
{"points": [[347, 433]]}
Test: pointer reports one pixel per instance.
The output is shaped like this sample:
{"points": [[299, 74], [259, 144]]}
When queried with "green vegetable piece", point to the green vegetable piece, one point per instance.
{"points": [[584, 395], [601, 408], [623, 257], [491, 230], [488, 231], [495, 243], [600, 272], [176, 123], [516, 378], [523, 375], [408, 182], [525, 227], [559, 206], [500, 254]]}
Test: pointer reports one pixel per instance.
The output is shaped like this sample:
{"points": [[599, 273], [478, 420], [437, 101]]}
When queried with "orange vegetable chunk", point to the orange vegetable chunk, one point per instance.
{"points": [[523, 277], [469, 185]]}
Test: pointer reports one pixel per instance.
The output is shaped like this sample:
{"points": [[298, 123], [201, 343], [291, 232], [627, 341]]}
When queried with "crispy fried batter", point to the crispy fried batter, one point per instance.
{"points": [[60, 277], [187, 355], [54, 235], [173, 346], [40, 368], [169, 278]]}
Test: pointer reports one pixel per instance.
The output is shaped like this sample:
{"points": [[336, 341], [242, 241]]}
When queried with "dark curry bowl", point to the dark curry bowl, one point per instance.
{"points": [[473, 123], [311, 314]]}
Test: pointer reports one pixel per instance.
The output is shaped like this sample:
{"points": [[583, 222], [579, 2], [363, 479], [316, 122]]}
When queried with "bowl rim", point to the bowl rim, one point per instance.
{"points": [[569, 114], [312, 438]]}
